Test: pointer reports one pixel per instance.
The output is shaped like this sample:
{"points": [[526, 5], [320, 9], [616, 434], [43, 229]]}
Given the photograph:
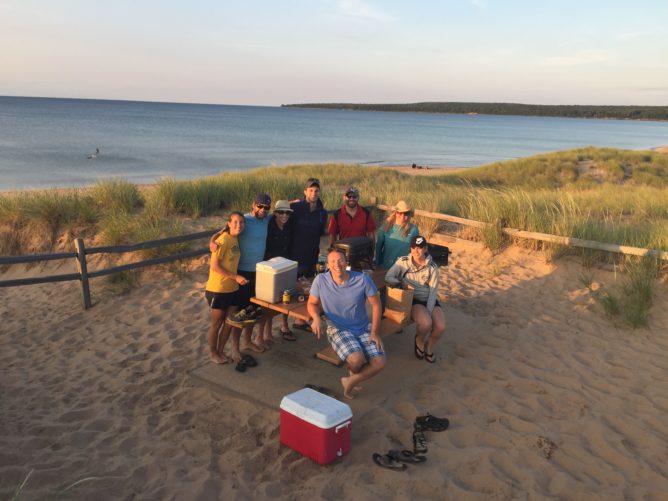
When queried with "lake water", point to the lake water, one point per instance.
{"points": [[45, 142]]}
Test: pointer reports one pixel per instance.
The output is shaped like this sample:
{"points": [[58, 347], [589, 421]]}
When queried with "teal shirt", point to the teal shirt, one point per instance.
{"points": [[392, 245], [253, 241]]}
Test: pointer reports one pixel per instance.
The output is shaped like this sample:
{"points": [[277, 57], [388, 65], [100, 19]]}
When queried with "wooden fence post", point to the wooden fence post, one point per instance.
{"points": [[83, 271]]}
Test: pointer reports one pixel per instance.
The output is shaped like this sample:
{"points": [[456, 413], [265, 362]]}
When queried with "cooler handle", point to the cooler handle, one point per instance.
{"points": [[342, 425]]}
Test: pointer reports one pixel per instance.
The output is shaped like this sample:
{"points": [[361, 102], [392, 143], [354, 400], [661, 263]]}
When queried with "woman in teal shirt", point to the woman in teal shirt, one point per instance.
{"points": [[395, 235]]}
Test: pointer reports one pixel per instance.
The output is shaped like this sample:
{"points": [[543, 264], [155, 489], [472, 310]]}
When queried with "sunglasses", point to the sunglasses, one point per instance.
{"points": [[352, 196], [407, 214], [282, 212], [263, 207]]}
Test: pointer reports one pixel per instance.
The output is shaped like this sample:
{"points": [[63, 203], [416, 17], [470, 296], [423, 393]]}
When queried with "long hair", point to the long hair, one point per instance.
{"points": [[391, 220], [229, 219]]}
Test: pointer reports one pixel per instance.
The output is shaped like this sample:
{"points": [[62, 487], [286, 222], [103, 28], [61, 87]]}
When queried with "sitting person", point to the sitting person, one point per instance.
{"points": [[342, 295], [418, 272]]}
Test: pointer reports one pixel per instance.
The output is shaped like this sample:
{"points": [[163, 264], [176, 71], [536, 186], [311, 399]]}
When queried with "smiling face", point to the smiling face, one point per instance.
{"points": [[311, 194], [402, 217], [260, 211], [419, 253], [351, 200], [236, 224], [336, 262]]}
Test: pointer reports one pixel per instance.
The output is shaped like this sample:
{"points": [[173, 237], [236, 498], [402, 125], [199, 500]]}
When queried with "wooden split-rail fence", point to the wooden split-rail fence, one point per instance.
{"points": [[83, 275]]}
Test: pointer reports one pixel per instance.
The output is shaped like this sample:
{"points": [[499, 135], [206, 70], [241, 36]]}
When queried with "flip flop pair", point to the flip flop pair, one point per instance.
{"points": [[397, 460], [419, 354], [245, 362]]}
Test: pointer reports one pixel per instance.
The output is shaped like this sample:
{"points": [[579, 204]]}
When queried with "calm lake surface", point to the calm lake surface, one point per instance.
{"points": [[46, 142]]}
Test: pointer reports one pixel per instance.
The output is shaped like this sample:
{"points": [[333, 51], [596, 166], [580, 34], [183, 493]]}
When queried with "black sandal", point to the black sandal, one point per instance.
{"points": [[407, 456], [387, 461], [431, 423], [418, 352], [288, 335], [249, 360], [419, 441], [303, 327], [429, 357]]}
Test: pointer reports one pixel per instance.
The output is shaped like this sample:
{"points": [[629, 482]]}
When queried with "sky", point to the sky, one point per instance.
{"points": [[272, 52]]}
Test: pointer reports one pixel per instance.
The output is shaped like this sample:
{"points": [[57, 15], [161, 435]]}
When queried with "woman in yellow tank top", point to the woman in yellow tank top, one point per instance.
{"points": [[223, 285]]}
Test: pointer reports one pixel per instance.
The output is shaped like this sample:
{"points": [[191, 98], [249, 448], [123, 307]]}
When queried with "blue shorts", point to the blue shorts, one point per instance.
{"points": [[345, 343], [221, 300]]}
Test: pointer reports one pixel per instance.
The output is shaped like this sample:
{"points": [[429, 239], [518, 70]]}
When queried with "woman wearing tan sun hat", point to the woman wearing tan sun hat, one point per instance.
{"points": [[394, 237]]}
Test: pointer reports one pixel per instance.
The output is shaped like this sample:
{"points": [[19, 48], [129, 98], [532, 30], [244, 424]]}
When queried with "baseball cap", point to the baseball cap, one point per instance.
{"points": [[312, 181], [262, 199], [418, 241], [352, 191]]}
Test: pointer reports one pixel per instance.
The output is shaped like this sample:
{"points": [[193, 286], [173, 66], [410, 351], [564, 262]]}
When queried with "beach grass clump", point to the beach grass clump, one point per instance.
{"points": [[117, 195]]}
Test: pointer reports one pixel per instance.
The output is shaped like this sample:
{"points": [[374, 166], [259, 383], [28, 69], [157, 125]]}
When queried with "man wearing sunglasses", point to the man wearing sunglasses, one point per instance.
{"points": [[352, 220], [310, 223], [252, 245]]}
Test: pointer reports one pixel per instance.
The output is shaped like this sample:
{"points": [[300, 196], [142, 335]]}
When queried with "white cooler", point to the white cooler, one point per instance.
{"points": [[273, 277]]}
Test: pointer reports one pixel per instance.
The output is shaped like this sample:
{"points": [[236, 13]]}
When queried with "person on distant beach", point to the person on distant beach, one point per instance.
{"points": [[279, 239], [252, 244], [222, 288], [309, 220], [342, 295], [394, 237], [419, 273], [352, 220]]}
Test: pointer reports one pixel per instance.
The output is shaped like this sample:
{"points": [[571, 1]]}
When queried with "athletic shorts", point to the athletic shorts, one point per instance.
{"points": [[222, 300], [345, 343], [424, 303], [246, 292]]}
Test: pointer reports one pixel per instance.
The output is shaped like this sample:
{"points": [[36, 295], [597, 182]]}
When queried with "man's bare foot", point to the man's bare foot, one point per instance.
{"points": [[217, 358], [236, 356], [349, 390]]}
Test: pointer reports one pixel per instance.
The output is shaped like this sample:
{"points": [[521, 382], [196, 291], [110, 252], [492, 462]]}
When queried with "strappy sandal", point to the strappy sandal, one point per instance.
{"points": [[386, 461], [418, 352], [288, 335], [431, 423], [419, 441], [430, 357], [407, 456]]}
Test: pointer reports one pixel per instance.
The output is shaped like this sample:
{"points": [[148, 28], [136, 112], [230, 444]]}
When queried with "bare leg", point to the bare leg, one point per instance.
{"points": [[366, 371], [266, 322], [217, 319], [225, 331], [236, 352], [423, 323], [437, 330], [246, 340]]}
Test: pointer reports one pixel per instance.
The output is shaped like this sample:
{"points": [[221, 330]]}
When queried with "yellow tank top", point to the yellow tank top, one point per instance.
{"points": [[228, 256]]}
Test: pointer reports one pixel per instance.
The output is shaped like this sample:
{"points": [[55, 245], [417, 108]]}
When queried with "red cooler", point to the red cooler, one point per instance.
{"points": [[315, 425]]}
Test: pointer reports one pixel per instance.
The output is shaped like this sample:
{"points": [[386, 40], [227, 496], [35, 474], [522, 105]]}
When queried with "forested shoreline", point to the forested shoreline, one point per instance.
{"points": [[570, 111]]}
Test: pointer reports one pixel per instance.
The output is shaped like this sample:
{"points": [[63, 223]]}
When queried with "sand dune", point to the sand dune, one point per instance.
{"points": [[547, 398]]}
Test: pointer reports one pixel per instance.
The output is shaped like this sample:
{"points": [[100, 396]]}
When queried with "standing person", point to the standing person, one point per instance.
{"points": [[342, 295], [252, 244], [310, 222], [222, 288], [419, 272], [395, 235], [352, 220], [279, 238]]}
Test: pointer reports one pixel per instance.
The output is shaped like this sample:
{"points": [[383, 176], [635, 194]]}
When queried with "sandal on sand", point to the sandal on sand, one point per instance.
{"points": [[406, 456], [429, 357], [288, 335], [386, 461], [241, 366], [418, 352], [419, 441], [303, 327], [431, 423]]}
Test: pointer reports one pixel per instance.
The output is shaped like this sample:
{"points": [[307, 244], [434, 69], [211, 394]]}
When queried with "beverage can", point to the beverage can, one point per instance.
{"points": [[286, 296]]}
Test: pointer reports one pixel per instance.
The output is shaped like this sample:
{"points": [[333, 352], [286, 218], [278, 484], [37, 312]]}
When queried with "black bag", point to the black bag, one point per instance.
{"points": [[358, 251], [439, 254]]}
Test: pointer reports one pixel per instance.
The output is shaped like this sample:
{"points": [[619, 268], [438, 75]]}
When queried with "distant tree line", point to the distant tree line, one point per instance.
{"points": [[540, 110]]}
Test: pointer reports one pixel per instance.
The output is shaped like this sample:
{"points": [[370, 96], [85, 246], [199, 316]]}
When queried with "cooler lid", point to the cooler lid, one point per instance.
{"points": [[316, 408], [275, 265]]}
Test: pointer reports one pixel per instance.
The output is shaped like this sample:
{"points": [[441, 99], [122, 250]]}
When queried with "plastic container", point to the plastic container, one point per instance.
{"points": [[273, 277], [315, 425]]}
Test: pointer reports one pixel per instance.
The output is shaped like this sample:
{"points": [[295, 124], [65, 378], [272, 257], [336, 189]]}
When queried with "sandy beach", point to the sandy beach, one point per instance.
{"points": [[547, 398]]}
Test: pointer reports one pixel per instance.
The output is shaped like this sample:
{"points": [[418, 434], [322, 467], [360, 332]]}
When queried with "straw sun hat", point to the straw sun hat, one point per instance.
{"points": [[282, 205], [403, 207]]}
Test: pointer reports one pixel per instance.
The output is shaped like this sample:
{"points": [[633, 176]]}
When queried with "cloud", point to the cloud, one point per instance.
{"points": [[481, 4], [363, 10], [579, 58]]}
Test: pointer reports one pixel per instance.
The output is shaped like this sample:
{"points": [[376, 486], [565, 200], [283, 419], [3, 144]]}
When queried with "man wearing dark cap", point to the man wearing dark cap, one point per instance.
{"points": [[309, 218], [419, 273], [352, 220], [252, 244]]}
